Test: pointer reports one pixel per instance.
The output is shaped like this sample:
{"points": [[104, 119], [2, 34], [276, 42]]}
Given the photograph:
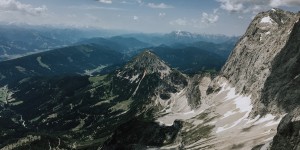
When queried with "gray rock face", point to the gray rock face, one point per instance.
{"points": [[267, 53], [288, 136], [282, 87], [197, 88]]}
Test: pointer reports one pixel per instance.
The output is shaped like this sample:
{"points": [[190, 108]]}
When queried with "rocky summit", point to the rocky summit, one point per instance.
{"points": [[251, 104]]}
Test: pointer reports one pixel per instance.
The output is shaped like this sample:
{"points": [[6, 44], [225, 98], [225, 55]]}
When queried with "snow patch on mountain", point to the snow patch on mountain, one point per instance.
{"points": [[267, 19], [229, 114], [239, 105]]}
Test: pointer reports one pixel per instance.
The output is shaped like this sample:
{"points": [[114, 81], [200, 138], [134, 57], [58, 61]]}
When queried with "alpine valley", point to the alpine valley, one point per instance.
{"points": [[156, 91]]}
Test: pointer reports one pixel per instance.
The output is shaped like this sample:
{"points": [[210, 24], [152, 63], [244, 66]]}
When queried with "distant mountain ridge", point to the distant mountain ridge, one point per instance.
{"points": [[19, 40], [199, 56], [124, 45], [183, 37]]}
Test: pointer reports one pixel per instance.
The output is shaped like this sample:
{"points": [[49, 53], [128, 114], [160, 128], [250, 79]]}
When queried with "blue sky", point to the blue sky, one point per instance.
{"points": [[229, 17]]}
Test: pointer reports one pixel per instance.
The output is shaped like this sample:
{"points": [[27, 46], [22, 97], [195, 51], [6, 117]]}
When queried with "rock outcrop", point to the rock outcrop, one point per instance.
{"points": [[265, 60], [288, 136]]}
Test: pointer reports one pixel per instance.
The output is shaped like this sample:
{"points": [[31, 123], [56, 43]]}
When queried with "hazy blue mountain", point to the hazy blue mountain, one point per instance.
{"points": [[182, 37], [118, 43], [190, 60], [82, 59], [18, 40], [222, 49]]}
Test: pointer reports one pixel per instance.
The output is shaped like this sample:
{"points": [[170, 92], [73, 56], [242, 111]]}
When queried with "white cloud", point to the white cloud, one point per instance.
{"points": [[254, 6], [140, 1], [161, 5], [135, 18], [277, 3], [231, 5], [106, 1], [180, 22], [216, 10], [162, 14], [13, 5], [204, 21], [209, 18]]}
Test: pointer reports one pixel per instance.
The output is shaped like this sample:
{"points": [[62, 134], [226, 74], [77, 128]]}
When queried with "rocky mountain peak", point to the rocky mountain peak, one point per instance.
{"points": [[272, 20], [147, 63], [182, 33], [275, 15]]}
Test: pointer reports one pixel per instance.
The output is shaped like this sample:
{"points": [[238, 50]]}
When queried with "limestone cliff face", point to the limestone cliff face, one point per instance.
{"points": [[282, 87], [288, 136], [266, 53], [265, 64]]}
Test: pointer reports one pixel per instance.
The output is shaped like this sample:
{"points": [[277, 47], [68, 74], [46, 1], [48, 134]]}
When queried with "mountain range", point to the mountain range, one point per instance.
{"points": [[181, 37], [21, 40], [88, 96]]}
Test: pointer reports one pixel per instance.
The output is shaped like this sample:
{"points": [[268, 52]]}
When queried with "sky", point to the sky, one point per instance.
{"points": [[229, 17]]}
